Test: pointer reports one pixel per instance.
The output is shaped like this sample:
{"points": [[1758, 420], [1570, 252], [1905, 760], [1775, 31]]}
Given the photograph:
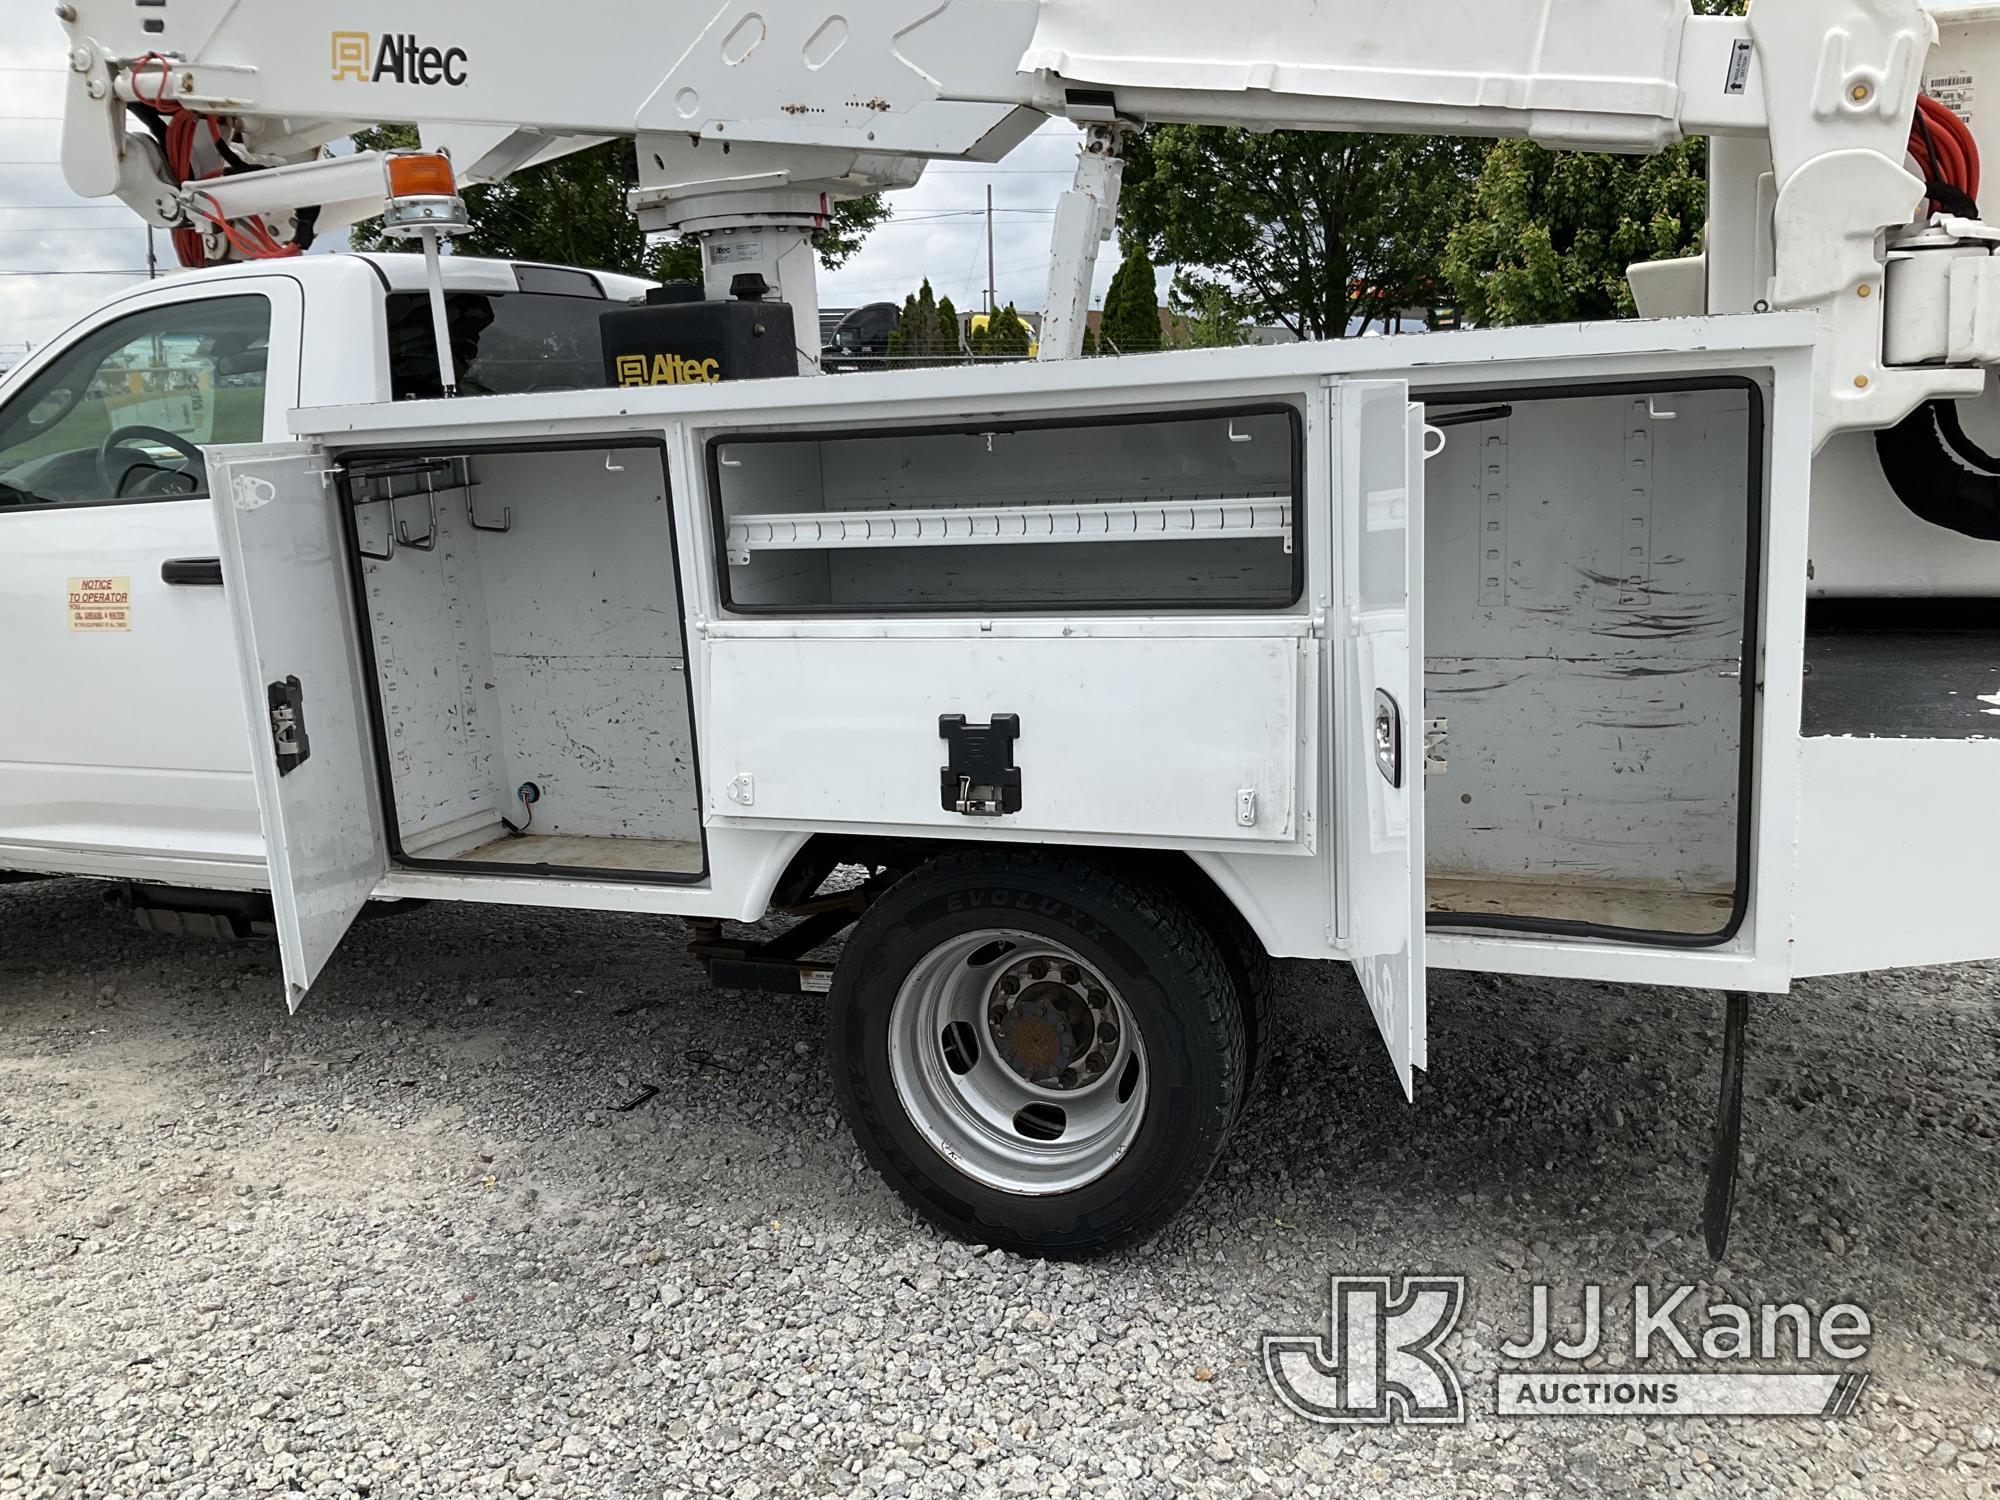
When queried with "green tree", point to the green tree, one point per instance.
{"points": [[1217, 319], [924, 335], [1006, 335], [1131, 322], [1547, 236], [1326, 234], [929, 329], [848, 228], [572, 212], [900, 336], [947, 316]]}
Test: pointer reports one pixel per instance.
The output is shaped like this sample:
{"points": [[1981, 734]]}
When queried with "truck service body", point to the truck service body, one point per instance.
{"points": [[1505, 650]]}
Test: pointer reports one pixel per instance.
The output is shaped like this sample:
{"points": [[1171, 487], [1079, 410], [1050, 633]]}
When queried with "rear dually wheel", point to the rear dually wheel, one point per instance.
{"points": [[1037, 1052]]}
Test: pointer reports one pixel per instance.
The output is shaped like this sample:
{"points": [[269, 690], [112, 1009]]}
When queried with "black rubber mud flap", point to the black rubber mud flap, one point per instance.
{"points": [[1724, 1154]]}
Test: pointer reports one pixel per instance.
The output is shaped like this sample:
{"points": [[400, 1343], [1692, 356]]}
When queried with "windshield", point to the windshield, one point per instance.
{"points": [[504, 343]]}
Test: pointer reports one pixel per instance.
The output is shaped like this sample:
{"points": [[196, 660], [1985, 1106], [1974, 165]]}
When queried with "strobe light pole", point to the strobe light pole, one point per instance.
{"points": [[424, 205]]}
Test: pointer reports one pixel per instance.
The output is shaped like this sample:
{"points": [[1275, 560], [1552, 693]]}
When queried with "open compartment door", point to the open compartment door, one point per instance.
{"points": [[284, 565], [1378, 734]]}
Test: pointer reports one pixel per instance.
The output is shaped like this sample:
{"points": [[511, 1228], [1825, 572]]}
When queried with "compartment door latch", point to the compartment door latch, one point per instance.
{"points": [[289, 740], [1388, 738], [982, 780]]}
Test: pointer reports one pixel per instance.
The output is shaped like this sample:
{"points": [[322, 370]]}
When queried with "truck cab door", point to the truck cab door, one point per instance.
{"points": [[284, 560], [1378, 706], [121, 745]]}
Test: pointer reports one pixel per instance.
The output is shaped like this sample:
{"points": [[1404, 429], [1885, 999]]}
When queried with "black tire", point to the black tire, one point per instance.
{"points": [[1250, 970], [1148, 946], [1249, 965]]}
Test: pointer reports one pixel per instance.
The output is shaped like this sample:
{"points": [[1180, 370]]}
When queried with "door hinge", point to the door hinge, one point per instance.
{"points": [[1437, 743], [289, 740], [1246, 807]]}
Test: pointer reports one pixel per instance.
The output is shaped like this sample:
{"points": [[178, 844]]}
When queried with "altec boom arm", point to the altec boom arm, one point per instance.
{"points": [[757, 118]]}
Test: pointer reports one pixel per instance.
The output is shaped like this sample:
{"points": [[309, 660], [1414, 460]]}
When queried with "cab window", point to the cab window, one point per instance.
{"points": [[125, 412], [502, 343]]}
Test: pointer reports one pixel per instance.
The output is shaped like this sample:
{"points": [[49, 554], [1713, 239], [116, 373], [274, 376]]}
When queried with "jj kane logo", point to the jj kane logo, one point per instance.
{"points": [[1382, 1358], [398, 59], [1382, 1362]]}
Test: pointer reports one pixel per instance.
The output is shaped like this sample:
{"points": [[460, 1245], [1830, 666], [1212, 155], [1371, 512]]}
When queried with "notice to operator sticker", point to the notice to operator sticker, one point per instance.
{"points": [[100, 604]]}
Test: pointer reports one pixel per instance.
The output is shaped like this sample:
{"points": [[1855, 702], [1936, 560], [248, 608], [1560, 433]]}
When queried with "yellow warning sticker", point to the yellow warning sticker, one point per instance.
{"points": [[100, 604]]}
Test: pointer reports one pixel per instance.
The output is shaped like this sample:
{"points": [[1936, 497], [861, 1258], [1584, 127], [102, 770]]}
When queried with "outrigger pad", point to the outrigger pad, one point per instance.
{"points": [[982, 780]]}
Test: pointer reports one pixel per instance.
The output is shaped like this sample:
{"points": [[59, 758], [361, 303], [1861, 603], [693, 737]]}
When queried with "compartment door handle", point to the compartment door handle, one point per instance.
{"points": [[205, 572]]}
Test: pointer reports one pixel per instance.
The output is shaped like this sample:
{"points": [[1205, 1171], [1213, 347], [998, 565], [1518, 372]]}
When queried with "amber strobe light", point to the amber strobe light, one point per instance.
{"points": [[420, 174]]}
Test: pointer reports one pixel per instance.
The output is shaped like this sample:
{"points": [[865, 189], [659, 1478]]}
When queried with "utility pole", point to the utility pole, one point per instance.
{"points": [[152, 257], [990, 307]]}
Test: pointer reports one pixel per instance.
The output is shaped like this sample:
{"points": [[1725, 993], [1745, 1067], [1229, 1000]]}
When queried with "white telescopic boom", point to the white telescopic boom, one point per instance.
{"points": [[747, 118]]}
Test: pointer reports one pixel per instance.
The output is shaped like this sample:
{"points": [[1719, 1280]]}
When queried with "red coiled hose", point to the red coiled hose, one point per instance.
{"points": [[251, 239], [1945, 150]]}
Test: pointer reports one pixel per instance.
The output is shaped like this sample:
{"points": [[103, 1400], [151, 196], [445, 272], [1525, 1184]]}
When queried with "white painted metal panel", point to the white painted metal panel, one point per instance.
{"points": [[1150, 737], [1567, 72], [1896, 839], [434, 671], [538, 640], [126, 743], [284, 560], [1378, 728], [1586, 567], [1867, 544]]}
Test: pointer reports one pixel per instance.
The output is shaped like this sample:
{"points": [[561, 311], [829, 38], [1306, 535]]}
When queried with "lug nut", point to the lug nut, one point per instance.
{"points": [[1068, 1079], [1010, 985], [997, 1014], [1070, 974], [1038, 968], [1095, 1063], [1107, 1033], [1099, 999]]}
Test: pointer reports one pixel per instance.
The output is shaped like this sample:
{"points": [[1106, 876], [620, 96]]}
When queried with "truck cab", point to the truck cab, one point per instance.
{"points": [[123, 751]]}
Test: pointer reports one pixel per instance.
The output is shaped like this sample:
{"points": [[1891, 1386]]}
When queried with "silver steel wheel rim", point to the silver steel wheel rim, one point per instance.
{"points": [[989, 1058]]}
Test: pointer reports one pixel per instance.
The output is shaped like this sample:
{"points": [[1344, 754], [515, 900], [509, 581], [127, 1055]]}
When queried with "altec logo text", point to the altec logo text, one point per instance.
{"points": [[399, 59], [667, 369]]}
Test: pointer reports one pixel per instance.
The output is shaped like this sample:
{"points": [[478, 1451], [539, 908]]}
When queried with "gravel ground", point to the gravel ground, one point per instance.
{"points": [[406, 1243]]}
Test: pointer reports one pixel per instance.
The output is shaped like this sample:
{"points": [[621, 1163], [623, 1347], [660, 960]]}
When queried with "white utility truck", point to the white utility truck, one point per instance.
{"points": [[1600, 651]]}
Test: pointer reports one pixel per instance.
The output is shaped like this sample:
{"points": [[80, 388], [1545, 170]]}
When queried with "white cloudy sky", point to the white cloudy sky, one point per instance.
{"points": [[940, 231], [59, 254], [44, 228]]}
